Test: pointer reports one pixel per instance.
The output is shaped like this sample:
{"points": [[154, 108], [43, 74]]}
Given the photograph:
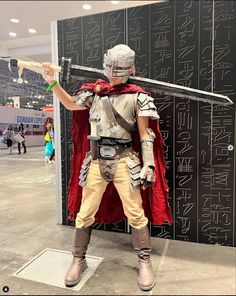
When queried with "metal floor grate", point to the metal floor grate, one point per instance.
{"points": [[50, 266]]}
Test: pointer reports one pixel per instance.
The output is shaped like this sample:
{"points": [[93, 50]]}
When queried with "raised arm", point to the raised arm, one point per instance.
{"points": [[70, 103]]}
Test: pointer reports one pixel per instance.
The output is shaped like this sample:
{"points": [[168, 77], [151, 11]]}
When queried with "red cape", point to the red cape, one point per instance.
{"points": [[102, 87], [155, 198]]}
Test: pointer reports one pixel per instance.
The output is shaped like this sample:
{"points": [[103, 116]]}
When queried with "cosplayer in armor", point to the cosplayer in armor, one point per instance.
{"points": [[116, 110]]}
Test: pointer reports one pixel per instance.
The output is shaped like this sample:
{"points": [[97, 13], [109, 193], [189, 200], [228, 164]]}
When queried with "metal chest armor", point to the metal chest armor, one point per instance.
{"points": [[124, 104]]}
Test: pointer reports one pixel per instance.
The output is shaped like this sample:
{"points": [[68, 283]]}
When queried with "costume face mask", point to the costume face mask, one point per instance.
{"points": [[119, 62]]}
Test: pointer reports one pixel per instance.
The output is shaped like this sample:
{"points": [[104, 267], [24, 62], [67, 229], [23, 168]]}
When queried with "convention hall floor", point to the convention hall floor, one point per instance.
{"points": [[28, 227]]}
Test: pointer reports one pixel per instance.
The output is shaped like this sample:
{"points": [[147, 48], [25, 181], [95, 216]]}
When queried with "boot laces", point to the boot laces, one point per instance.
{"points": [[143, 254]]}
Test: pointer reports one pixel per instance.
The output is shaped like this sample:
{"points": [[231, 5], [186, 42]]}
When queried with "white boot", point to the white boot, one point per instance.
{"points": [[142, 246], [79, 264]]}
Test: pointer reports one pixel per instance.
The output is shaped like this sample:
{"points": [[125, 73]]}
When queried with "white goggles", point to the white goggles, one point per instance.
{"points": [[111, 71]]}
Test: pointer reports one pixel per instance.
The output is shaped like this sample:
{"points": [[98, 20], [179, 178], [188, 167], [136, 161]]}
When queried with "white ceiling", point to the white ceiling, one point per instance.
{"points": [[38, 15]]}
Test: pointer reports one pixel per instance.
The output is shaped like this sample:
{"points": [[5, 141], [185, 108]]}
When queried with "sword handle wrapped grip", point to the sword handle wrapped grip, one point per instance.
{"points": [[32, 65]]}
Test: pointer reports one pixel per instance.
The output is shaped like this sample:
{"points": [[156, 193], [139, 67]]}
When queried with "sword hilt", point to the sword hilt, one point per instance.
{"points": [[31, 65]]}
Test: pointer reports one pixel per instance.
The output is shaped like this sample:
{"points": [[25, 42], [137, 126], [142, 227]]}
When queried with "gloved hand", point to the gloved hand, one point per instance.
{"points": [[48, 73], [147, 176]]}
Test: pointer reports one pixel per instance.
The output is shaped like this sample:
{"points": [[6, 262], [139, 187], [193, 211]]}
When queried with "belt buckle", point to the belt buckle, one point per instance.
{"points": [[107, 151]]}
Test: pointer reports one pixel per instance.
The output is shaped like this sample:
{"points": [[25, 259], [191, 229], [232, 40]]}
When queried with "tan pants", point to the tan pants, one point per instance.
{"points": [[94, 189]]}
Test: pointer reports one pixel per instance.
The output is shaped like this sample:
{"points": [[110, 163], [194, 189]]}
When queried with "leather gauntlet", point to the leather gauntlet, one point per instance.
{"points": [[147, 173]]}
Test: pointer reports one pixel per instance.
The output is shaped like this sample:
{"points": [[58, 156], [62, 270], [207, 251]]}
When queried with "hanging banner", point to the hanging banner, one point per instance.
{"points": [[25, 116]]}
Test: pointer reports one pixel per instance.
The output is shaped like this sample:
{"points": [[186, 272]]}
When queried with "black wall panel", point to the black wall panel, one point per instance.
{"points": [[191, 43], [161, 55], [138, 38], [92, 53], [223, 126], [113, 29], [186, 74], [205, 110]]}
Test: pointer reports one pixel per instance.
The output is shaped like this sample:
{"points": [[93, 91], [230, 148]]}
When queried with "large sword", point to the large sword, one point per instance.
{"points": [[68, 71]]}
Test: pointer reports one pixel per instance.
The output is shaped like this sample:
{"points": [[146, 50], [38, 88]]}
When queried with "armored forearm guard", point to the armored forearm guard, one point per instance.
{"points": [[147, 175], [147, 149]]}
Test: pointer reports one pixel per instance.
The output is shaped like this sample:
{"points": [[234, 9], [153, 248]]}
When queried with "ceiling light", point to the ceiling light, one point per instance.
{"points": [[12, 34], [115, 2], [87, 6], [32, 31], [14, 20]]}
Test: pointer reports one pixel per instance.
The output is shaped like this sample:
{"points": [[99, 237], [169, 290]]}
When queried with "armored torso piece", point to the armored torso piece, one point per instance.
{"points": [[124, 104]]}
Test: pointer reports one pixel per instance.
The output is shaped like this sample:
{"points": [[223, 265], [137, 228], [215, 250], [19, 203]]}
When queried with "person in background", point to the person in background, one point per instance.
{"points": [[49, 137], [48, 120], [21, 132], [9, 134], [51, 133]]}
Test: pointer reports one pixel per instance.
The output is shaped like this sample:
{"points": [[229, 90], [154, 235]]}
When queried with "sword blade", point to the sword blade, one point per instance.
{"points": [[164, 88]]}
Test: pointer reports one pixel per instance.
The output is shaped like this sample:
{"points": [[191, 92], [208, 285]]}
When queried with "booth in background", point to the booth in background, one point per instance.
{"points": [[33, 121]]}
